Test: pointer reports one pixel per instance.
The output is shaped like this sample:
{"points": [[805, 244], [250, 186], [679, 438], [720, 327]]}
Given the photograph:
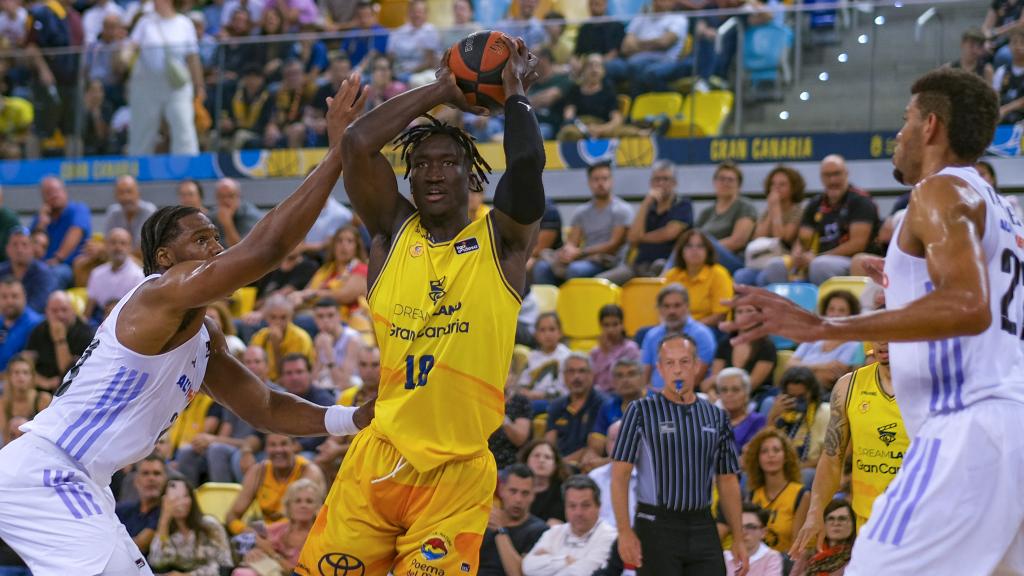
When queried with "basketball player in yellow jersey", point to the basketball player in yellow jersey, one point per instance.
{"points": [[414, 492], [864, 417]]}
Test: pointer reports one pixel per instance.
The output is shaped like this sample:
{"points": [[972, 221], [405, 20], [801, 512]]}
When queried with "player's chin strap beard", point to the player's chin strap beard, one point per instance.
{"points": [[401, 464]]}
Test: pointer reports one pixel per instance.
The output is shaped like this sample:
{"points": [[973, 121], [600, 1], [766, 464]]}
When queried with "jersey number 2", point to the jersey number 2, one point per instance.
{"points": [[412, 379], [1012, 266], [73, 373]]}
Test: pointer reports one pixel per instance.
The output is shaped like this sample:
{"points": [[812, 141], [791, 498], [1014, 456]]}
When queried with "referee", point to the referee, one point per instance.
{"points": [[678, 443]]}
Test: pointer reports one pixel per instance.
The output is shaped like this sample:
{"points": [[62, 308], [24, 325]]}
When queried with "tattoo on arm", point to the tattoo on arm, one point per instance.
{"points": [[838, 434]]}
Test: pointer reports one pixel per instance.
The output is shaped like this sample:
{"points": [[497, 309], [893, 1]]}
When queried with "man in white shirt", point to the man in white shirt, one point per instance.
{"points": [[582, 544], [602, 475], [13, 23], [92, 19], [651, 49], [415, 46], [111, 281]]}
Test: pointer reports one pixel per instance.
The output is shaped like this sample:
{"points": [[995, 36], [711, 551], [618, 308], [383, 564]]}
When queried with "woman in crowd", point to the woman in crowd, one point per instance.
{"points": [[342, 277], [729, 224], [733, 386], [21, 398], [277, 551], [611, 347], [840, 532], [773, 477], [798, 411], [549, 471], [542, 379], [757, 358], [187, 542], [777, 227], [707, 282], [591, 107], [830, 359], [219, 313], [273, 53], [383, 86]]}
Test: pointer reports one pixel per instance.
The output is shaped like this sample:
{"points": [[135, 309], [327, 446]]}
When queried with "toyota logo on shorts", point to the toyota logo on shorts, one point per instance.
{"points": [[339, 564]]}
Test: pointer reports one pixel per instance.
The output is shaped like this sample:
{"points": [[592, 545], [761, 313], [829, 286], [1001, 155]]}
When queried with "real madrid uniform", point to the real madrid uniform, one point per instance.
{"points": [[415, 490], [877, 437], [955, 505], [56, 508]]}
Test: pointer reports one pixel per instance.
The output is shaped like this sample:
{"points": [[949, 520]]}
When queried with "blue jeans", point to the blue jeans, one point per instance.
{"points": [[543, 273]]}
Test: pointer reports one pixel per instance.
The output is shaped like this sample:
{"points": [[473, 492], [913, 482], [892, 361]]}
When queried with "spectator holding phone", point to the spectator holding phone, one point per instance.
{"points": [[801, 415], [187, 542]]}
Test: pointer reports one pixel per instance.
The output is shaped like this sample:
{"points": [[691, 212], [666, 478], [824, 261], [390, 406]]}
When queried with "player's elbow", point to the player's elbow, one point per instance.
{"points": [[975, 318]]}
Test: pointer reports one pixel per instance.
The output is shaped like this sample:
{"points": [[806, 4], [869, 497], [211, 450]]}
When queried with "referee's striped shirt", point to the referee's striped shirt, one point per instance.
{"points": [[677, 450]]}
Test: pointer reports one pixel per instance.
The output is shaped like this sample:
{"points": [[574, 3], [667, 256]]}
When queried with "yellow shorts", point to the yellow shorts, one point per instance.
{"points": [[383, 515]]}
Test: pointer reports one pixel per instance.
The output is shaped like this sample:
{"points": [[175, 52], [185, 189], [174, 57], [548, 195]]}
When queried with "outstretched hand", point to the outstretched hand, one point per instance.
{"points": [[342, 109], [775, 315]]}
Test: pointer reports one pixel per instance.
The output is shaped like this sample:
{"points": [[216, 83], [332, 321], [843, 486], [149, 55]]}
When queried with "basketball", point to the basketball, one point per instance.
{"points": [[477, 61]]}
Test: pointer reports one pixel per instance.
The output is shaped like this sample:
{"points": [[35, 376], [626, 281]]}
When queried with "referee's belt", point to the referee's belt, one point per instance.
{"points": [[655, 513]]}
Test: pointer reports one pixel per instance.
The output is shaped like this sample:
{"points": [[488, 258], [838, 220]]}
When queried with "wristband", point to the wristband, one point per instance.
{"points": [[339, 420]]}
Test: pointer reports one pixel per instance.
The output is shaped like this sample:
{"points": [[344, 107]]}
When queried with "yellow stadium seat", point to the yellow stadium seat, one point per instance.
{"points": [[708, 111], [579, 301], [243, 301], [540, 425], [625, 103], [584, 345], [216, 498], [78, 298], [546, 296], [639, 303], [655, 104], [781, 359], [853, 284]]}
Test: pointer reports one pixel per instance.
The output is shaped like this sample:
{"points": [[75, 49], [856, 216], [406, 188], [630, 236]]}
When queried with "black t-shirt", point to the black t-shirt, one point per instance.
{"points": [[763, 350], [518, 406], [130, 514], [552, 220], [549, 504], [599, 38], [79, 335], [552, 115], [524, 537], [599, 105], [298, 277], [832, 224], [1007, 11], [681, 211]]}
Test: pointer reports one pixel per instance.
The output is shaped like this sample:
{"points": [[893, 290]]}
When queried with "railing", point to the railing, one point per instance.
{"points": [[835, 73]]}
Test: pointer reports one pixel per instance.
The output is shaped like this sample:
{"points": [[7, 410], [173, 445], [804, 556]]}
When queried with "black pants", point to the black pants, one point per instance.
{"points": [[678, 543]]}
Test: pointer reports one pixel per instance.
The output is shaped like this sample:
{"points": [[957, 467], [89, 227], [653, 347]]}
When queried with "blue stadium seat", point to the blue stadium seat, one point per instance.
{"points": [[764, 47], [804, 294]]}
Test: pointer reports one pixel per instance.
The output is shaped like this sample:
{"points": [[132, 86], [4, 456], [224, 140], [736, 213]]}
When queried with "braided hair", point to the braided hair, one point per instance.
{"points": [[409, 140], [159, 230]]}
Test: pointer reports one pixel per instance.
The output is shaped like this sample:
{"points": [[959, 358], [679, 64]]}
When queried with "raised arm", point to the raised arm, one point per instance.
{"points": [[829, 472], [944, 223], [190, 285]]}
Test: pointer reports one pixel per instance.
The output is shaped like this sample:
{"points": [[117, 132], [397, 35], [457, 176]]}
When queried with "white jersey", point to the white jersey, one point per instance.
{"points": [[940, 377], [114, 404]]}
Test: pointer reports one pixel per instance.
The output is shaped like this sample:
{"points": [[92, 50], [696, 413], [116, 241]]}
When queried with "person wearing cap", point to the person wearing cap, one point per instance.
{"points": [[38, 279], [677, 442]]}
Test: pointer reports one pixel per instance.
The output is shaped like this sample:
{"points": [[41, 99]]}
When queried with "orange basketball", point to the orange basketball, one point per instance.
{"points": [[477, 61]]}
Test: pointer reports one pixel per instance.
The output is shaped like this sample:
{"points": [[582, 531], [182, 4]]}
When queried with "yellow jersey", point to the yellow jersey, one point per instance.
{"points": [[445, 319], [877, 436], [781, 509]]}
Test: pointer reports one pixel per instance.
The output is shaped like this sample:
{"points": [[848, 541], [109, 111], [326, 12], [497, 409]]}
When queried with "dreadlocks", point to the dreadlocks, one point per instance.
{"points": [[413, 137], [160, 229]]}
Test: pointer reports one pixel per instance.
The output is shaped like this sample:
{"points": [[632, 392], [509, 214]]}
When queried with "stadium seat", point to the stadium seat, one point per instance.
{"points": [[854, 284], [579, 301], [243, 301], [216, 498], [708, 111], [639, 297], [78, 298], [803, 293], [764, 47], [546, 297], [653, 107], [781, 359], [584, 345]]}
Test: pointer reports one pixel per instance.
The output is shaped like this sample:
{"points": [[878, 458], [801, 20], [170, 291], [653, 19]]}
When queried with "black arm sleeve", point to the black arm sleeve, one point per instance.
{"points": [[520, 191]]}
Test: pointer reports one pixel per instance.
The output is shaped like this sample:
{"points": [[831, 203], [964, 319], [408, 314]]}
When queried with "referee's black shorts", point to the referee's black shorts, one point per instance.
{"points": [[678, 543]]}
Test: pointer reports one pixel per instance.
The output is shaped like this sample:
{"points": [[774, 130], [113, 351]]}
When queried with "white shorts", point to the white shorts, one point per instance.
{"points": [[956, 506], [57, 518]]}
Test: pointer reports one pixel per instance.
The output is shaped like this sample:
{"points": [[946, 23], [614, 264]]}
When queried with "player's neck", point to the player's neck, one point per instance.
{"points": [[774, 483], [938, 159], [444, 228], [885, 378]]}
